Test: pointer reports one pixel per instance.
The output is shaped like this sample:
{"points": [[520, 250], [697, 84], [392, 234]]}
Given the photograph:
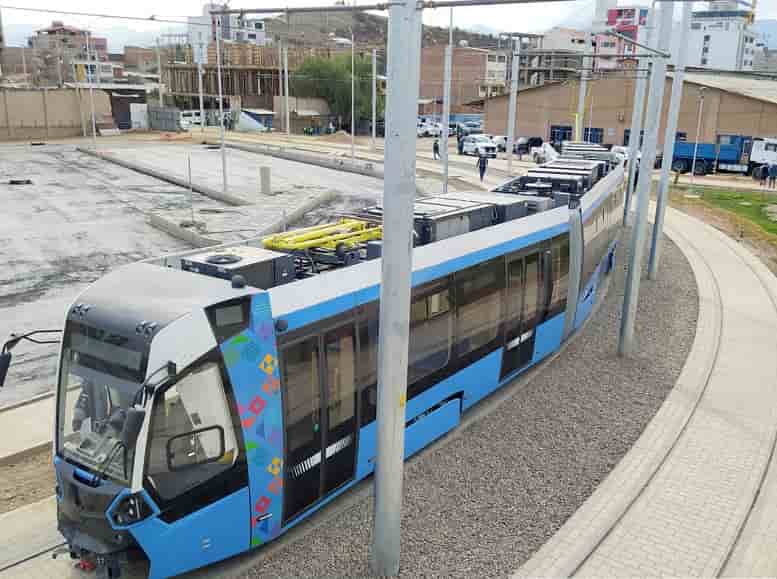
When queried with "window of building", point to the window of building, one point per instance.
{"points": [[502, 58], [695, 26], [259, 25], [706, 38], [492, 58], [681, 136], [705, 50], [703, 61]]}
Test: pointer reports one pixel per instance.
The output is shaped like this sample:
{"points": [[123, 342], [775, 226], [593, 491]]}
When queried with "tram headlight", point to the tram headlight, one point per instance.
{"points": [[129, 510]]}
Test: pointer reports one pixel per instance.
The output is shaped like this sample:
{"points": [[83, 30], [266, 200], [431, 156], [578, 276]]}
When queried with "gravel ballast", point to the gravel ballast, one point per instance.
{"points": [[482, 500]]}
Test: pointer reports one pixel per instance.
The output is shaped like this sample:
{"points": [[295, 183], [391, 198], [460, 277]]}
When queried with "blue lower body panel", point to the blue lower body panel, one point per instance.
{"points": [[432, 426], [213, 533], [548, 337]]}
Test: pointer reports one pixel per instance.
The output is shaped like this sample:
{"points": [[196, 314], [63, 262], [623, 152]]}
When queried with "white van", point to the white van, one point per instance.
{"points": [[764, 151], [187, 119]]}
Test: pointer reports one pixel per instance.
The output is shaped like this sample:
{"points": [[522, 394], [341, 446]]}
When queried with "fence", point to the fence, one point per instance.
{"points": [[163, 118]]}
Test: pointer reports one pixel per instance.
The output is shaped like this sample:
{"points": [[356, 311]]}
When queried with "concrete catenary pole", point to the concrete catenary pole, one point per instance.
{"points": [[159, 71], [580, 117], [200, 72], [282, 120], [353, 98], [698, 135], [446, 105], [404, 49], [683, 33], [91, 90], [639, 233], [636, 118], [221, 107], [286, 87], [516, 49], [374, 97]]}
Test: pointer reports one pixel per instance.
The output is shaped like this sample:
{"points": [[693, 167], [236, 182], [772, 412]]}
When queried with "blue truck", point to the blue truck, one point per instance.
{"points": [[732, 153]]}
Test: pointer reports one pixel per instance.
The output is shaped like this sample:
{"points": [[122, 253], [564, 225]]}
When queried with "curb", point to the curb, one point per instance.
{"points": [[207, 191], [22, 454]]}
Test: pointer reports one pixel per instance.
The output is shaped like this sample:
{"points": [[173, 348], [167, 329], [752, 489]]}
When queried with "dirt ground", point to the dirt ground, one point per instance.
{"points": [[26, 481], [732, 225]]}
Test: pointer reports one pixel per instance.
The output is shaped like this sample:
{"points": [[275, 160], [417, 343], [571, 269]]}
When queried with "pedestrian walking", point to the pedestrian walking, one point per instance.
{"points": [[436, 149], [482, 165], [772, 175], [460, 144], [762, 174]]}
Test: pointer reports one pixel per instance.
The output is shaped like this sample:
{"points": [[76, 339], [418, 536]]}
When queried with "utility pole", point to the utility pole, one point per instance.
{"points": [[24, 65], [159, 70], [91, 90], [280, 79], [221, 107], [446, 105], [639, 233], [286, 87], [516, 61], [669, 140], [404, 48], [374, 96], [353, 98], [200, 71], [580, 117], [637, 113], [698, 135]]}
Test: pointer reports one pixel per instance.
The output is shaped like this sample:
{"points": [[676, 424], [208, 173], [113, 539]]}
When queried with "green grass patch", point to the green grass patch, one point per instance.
{"points": [[749, 205]]}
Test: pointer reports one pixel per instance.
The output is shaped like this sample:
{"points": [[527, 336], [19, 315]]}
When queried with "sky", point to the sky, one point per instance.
{"points": [[524, 18]]}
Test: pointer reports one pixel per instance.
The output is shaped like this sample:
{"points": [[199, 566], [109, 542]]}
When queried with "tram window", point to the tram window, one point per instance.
{"points": [[340, 349], [303, 398], [560, 252], [367, 368], [531, 293], [188, 418], [431, 331], [479, 305]]}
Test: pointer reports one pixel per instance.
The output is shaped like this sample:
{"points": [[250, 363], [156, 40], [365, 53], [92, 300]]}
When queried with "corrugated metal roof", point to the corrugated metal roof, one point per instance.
{"points": [[763, 89]]}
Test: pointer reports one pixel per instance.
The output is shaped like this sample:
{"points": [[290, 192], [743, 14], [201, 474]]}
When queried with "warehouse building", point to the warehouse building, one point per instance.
{"points": [[730, 104]]}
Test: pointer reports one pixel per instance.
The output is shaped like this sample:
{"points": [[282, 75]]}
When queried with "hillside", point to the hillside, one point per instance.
{"points": [[369, 30]]}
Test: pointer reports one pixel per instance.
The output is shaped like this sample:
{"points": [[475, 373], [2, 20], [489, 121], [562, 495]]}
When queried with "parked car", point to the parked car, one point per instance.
{"points": [[429, 130], [187, 119], [478, 145], [524, 145], [469, 128], [500, 141]]}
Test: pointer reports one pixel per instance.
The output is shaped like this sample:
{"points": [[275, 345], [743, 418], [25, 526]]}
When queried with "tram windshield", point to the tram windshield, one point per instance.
{"points": [[100, 376]]}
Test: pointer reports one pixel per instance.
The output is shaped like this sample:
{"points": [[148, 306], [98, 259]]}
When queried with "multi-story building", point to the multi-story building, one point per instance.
{"points": [[477, 73], [765, 59], [721, 38], [68, 39], [564, 39], [234, 28], [626, 21], [139, 59]]}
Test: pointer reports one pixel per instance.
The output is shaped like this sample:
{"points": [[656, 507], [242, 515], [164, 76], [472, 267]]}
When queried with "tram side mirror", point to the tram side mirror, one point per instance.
{"points": [[196, 447], [5, 362], [132, 424]]}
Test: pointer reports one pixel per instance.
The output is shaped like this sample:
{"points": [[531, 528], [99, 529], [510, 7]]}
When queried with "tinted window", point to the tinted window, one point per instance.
{"points": [[479, 302], [431, 331], [303, 401], [368, 366], [560, 256]]}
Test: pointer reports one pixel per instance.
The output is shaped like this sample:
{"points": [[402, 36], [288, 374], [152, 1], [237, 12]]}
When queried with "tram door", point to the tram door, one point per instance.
{"points": [[523, 292], [319, 375]]}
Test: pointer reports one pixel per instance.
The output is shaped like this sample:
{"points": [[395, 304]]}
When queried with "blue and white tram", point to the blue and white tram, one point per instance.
{"points": [[198, 418]]}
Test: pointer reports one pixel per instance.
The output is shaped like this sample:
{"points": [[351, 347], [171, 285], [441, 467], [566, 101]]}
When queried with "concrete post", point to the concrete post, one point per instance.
{"points": [[45, 95], [264, 179], [513, 103], [669, 140], [636, 118], [446, 105], [221, 108], [404, 49], [353, 98], [286, 88], [639, 233], [200, 70]]}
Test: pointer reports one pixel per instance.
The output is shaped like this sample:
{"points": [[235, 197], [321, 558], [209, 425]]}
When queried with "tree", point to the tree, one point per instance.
{"points": [[330, 79]]}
